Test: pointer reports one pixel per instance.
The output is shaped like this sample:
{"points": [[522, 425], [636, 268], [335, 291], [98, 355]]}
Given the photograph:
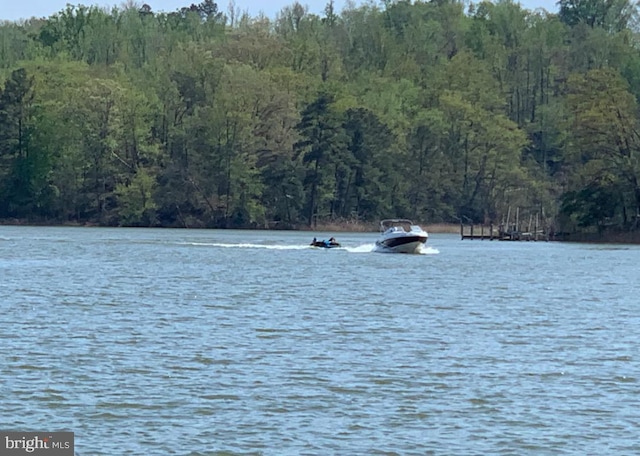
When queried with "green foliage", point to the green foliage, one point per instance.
{"points": [[593, 205], [374, 169], [604, 148], [324, 154], [136, 206], [20, 163], [613, 15], [127, 116]]}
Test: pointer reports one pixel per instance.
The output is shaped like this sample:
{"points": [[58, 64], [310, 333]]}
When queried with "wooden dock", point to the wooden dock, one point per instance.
{"points": [[474, 232], [491, 233], [516, 231]]}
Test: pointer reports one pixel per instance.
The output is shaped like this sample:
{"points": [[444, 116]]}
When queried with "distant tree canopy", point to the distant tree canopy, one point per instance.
{"points": [[439, 111]]}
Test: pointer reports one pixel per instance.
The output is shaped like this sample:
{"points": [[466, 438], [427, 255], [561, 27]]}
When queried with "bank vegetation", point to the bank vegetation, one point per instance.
{"points": [[439, 111]]}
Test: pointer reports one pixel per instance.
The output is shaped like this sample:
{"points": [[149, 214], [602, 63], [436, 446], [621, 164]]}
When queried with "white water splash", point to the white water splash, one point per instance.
{"points": [[424, 250], [364, 248], [251, 246]]}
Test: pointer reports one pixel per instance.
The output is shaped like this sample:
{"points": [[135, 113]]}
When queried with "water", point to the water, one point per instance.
{"points": [[189, 342]]}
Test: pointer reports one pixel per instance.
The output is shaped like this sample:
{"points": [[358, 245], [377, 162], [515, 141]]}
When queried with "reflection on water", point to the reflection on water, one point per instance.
{"points": [[184, 342]]}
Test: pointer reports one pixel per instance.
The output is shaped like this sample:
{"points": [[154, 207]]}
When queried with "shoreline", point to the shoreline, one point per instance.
{"points": [[337, 227], [632, 238]]}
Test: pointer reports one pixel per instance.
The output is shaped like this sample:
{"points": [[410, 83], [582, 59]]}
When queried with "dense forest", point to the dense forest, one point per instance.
{"points": [[440, 111]]}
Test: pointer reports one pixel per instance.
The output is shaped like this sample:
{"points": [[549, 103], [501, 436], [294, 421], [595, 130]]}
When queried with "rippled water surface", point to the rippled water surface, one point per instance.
{"points": [[189, 342]]}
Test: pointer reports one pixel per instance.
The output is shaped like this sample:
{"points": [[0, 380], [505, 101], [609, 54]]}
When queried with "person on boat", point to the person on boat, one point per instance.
{"points": [[324, 243]]}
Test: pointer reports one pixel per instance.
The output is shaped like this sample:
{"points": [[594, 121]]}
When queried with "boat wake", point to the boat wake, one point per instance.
{"points": [[364, 248], [251, 246], [368, 248], [424, 250]]}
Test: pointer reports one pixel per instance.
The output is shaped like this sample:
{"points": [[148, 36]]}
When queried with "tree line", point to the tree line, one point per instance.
{"points": [[439, 111]]}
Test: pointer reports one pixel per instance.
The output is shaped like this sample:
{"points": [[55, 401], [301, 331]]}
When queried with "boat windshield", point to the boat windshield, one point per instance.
{"points": [[392, 225]]}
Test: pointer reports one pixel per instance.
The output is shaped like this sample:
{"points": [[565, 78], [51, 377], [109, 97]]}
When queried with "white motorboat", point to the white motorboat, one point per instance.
{"points": [[400, 236]]}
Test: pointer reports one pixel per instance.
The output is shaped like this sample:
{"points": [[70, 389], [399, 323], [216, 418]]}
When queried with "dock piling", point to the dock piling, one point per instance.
{"points": [[518, 229]]}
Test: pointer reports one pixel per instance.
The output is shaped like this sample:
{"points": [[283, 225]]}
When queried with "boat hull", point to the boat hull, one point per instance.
{"points": [[403, 244], [400, 236]]}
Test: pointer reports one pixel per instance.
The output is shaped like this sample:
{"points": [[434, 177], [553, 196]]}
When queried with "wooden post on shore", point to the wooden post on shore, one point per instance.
{"points": [[461, 230], [491, 232]]}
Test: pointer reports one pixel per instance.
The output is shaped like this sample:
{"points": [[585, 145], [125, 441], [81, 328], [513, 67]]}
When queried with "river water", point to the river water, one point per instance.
{"points": [[197, 342]]}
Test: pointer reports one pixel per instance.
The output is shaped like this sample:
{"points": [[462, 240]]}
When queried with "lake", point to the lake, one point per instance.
{"points": [[214, 342]]}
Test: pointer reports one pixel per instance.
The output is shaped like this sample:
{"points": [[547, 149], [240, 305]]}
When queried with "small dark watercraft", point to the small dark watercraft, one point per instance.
{"points": [[331, 243]]}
